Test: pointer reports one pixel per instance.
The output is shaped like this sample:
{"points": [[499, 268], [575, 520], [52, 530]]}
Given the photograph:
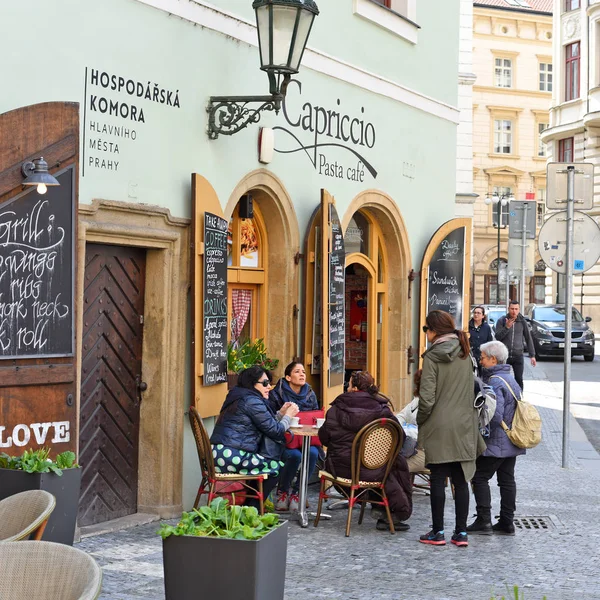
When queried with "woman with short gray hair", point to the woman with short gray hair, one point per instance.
{"points": [[501, 454]]}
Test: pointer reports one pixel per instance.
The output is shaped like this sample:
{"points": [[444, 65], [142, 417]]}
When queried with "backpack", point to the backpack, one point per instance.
{"points": [[485, 403], [526, 430]]}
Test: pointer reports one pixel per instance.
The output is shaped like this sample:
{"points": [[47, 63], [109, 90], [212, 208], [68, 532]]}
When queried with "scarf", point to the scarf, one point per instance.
{"points": [[444, 338]]}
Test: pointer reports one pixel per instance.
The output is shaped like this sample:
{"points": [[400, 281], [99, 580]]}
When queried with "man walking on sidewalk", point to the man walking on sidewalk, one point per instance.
{"points": [[512, 330]]}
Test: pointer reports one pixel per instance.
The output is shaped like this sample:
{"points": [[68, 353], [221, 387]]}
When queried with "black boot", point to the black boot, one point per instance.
{"points": [[480, 526], [503, 527]]}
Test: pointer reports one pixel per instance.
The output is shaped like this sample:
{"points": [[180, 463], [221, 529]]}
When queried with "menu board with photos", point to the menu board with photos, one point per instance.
{"points": [[36, 272], [215, 299], [445, 281], [337, 322]]}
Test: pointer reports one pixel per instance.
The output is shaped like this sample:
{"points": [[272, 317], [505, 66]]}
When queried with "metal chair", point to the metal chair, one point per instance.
{"points": [[25, 514], [375, 446], [210, 478], [33, 570]]}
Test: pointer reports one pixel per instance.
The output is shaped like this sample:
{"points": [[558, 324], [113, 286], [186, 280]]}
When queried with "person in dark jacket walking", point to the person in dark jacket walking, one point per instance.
{"points": [[292, 387], [513, 331], [245, 423], [501, 454], [347, 415], [480, 331]]}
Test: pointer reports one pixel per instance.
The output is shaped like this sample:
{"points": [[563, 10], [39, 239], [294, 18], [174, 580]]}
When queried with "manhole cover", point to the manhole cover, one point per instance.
{"points": [[534, 523]]}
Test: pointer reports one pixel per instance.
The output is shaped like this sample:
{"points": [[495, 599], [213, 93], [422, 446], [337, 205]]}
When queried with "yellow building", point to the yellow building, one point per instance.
{"points": [[512, 58]]}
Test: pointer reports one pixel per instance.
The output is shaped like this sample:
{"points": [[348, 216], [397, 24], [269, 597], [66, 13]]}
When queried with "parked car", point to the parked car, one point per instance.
{"points": [[547, 323], [492, 312]]}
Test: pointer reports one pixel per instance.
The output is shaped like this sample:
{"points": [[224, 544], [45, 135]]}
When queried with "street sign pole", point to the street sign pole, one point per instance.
{"points": [[568, 313], [523, 258]]}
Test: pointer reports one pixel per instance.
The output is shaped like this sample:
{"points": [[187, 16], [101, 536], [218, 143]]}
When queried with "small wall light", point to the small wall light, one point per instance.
{"points": [[36, 173]]}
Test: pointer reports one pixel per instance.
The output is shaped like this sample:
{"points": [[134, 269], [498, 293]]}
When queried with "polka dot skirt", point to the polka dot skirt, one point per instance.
{"points": [[231, 460]]}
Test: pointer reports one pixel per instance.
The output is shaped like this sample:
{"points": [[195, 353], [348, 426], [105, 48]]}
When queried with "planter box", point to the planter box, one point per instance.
{"points": [[61, 525], [204, 567]]}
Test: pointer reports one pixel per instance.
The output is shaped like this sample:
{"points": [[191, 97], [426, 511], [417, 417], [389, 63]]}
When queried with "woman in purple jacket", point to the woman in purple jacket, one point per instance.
{"points": [[501, 454]]}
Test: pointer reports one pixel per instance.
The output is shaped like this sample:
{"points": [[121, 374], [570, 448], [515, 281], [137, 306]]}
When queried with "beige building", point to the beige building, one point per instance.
{"points": [[512, 59]]}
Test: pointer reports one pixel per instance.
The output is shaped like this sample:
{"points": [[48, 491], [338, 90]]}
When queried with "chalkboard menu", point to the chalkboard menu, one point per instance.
{"points": [[337, 320], [36, 272], [215, 299], [445, 281]]}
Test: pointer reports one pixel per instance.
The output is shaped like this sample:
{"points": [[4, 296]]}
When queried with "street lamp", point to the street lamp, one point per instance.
{"points": [[499, 200]]}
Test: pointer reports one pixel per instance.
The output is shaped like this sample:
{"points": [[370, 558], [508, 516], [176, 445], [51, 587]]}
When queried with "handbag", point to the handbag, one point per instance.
{"points": [[308, 417], [270, 448]]}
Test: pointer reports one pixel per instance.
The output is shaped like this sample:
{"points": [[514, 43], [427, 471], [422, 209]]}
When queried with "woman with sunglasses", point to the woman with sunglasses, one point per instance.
{"points": [[448, 423], [249, 437]]}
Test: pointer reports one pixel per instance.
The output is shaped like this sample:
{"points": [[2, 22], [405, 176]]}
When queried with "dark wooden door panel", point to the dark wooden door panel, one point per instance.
{"points": [[110, 371]]}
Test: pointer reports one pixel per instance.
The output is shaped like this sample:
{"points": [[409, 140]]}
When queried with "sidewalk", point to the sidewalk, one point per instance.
{"points": [[558, 561]]}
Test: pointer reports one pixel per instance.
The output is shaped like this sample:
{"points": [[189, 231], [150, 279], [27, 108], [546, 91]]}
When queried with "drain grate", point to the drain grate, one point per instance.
{"points": [[534, 523]]}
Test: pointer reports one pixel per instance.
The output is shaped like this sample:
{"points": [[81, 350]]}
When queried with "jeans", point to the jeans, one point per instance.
{"points": [[292, 459], [504, 469], [439, 473], [517, 363]]}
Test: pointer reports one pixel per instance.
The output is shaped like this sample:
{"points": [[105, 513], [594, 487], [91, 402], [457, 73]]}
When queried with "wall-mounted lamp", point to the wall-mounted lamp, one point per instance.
{"points": [[283, 30], [36, 173]]}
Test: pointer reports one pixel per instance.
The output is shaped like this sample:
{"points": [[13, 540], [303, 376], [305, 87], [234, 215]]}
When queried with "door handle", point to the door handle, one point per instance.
{"points": [[141, 386]]}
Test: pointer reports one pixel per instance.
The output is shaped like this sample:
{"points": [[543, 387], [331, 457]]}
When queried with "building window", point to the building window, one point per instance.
{"points": [[572, 4], [541, 146], [541, 206], [537, 289], [503, 72], [572, 71], [385, 3], [565, 150], [545, 77], [503, 129], [502, 192]]}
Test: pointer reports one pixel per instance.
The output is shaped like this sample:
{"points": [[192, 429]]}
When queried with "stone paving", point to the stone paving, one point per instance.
{"points": [[559, 563]]}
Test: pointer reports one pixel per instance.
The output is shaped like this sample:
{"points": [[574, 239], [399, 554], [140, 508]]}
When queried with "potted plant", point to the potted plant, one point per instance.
{"points": [[227, 551], [34, 470], [242, 356]]}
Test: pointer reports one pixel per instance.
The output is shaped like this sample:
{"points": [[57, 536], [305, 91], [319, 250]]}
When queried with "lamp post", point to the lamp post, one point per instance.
{"points": [[499, 200], [283, 29]]}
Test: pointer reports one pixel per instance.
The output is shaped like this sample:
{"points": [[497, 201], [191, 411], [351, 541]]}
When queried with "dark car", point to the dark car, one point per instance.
{"points": [[547, 322]]}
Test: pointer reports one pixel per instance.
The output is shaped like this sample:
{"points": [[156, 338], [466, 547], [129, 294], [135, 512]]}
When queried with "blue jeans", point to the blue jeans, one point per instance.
{"points": [[292, 459]]}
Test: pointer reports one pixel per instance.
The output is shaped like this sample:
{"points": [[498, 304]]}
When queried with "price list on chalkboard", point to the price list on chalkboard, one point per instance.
{"points": [[446, 273], [36, 272], [215, 299], [337, 321]]}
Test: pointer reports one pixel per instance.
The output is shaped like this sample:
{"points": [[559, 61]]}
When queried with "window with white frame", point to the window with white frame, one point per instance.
{"points": [[501, 192], [541, 146], [503, 72], [400, 19], [545, 77], [503, 130], [541, 205]]}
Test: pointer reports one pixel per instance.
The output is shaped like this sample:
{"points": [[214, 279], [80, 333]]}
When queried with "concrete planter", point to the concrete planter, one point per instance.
{"points": [[205, 567], [61, 525]]}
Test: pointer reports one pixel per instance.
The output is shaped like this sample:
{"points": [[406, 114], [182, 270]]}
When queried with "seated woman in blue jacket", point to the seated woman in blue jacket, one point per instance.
{"points": [[292, 388], [249, 436]]}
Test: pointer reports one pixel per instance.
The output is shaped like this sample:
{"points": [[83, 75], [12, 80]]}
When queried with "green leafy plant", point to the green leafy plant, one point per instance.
{"points": [[38, 461], [248, 354], [220, 519], [512, 594]]}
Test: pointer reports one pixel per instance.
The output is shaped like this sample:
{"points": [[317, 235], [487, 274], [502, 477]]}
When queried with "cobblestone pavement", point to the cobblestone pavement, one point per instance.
{"points": [[559, 562]]}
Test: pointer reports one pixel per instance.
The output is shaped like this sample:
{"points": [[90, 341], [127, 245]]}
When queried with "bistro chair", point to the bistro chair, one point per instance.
{"points": [[420, 481], [25, 514], [34, 570], [210, 481], [375, 447]]}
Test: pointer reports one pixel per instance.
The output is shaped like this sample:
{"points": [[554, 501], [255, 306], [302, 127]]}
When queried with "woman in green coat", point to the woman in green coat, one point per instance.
{"points": [[448, 423]]}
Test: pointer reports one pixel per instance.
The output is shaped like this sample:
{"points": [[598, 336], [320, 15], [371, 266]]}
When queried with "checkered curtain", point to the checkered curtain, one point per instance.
{"points": [[240, 302]]}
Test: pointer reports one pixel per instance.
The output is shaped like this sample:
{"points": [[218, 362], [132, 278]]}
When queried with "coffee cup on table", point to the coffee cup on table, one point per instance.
{"points": [[295, 421], [320, 421]]}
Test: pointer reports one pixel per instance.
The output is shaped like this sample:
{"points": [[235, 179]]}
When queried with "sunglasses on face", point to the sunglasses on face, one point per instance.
{"points": [[425, 329], [265, 382]]}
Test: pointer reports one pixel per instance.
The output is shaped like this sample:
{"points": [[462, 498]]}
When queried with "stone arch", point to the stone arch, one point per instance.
{"points": [[488, 256]]}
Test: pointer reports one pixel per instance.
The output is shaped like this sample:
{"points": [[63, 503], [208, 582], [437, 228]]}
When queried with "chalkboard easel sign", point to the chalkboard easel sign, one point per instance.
{"points": [[215, 299], [36, 272], [337, 313]]}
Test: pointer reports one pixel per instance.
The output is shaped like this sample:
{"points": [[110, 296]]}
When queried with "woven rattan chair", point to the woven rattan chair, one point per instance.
{"points": [[47, 571], [25, 514], [375, 446], [210, 478]]}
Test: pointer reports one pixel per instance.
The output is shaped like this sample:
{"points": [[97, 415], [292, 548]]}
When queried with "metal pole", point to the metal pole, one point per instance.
{"points": [[568, 313], [523, 258], [498, 210]]}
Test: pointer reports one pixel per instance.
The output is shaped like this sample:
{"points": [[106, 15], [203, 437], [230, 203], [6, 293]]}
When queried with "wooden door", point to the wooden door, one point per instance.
{"points": [[111, 372]]}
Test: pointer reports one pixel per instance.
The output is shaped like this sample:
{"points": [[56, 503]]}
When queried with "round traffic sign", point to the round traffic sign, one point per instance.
{"points": [[552, 242]]}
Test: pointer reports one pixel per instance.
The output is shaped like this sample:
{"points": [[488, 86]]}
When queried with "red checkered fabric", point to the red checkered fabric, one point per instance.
{"points": [[241, 300]]}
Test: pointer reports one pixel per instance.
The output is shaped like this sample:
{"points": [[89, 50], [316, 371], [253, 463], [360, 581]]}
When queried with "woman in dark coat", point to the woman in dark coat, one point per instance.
{"points": [[501, 454], [247, 427], [346, 416], [480, 331]]}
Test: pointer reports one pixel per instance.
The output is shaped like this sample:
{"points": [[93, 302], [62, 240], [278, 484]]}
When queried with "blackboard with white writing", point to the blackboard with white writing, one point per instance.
{"points": [[36, 272], [446, 273], [215, 299], [337, 323]]}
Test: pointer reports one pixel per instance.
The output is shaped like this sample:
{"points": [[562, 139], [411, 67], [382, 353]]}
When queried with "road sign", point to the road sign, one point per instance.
{"points": [[515, 219], [515, 257], [556, 183], [586, 242]]}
